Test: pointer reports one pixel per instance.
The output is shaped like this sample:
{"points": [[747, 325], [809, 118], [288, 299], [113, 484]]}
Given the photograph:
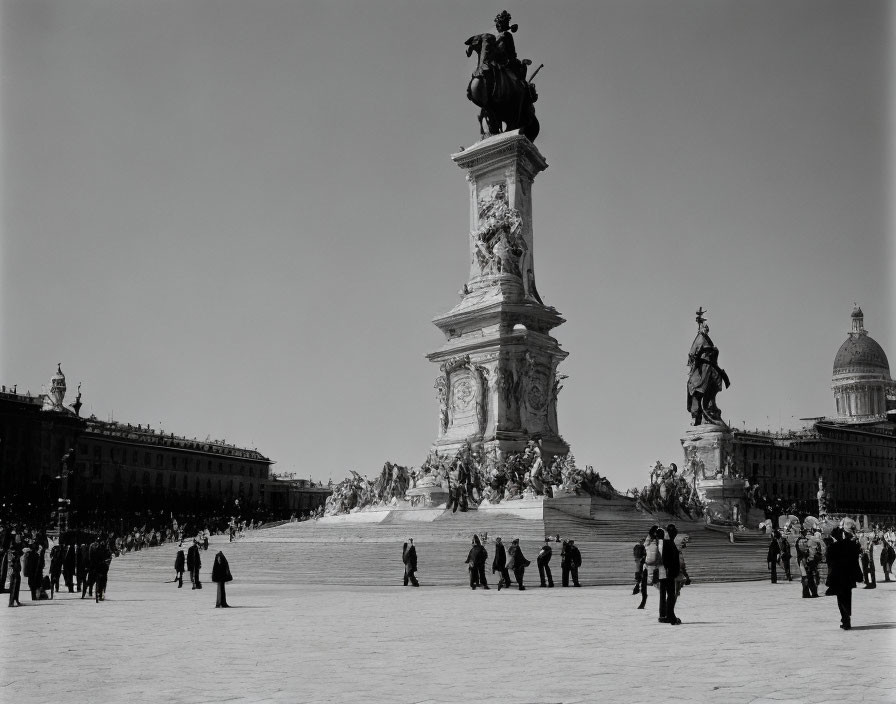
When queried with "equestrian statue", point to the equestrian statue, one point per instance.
{"points": [[499, 86]]}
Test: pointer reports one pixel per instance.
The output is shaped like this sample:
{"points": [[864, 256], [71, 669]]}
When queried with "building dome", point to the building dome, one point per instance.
{"points": [[860, 353], [861, 379]]}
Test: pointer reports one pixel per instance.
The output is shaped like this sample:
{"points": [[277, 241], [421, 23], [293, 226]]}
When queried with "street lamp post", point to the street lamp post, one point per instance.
{"points": [[64, 502]]}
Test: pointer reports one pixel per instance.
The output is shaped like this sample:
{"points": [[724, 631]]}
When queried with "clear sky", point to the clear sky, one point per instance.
{"points": [[237, 219]]}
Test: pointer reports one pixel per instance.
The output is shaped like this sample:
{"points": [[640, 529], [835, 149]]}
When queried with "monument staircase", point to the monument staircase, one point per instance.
{"points": [[369, 554]]}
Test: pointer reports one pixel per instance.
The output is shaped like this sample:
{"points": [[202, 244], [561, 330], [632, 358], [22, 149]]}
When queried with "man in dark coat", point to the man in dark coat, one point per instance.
{"points": [[774, 552], [179, 562], [886, 558], [476, 561], [517, 562], [409, 558], [671, 570], [194, 564], [85, 579], [100, 557], [843, 572], [543, 561], [499, 564], [564, 563], [575, 561], [29, 570]]}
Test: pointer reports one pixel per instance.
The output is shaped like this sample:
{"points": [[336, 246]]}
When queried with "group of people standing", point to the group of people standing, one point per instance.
{"points": [[83, 565], [505, 561], [848, 554], [659, 562], [193, 564]]}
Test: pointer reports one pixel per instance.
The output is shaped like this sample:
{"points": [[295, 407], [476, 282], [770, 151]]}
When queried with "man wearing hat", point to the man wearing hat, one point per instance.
{"points": [[843, 572]]}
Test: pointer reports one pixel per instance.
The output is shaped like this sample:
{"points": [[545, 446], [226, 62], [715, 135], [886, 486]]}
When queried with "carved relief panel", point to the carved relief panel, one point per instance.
{"points": [[466, 394]]}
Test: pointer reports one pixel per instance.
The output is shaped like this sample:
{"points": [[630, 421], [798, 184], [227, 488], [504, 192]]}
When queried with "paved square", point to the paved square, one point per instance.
{"points": [[151, 642]]}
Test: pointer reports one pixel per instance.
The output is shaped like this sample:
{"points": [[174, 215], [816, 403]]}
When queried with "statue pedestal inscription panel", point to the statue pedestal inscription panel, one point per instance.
{"points": [[498, 382]]}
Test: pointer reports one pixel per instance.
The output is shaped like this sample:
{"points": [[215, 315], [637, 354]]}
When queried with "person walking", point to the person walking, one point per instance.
{"points": [[806, 567], [499, 564], [640, 553], [517, 562], [543, 560], [575, 561], [179, 563], [476, 564], [773, 556], [409, 557], [564, 563], [29, 567], [868, 574], [194, 564], [843, 572], [100, 559], [220, 576], [669, 571], [85, 580], [55, 568], [15, 577], [784, 547], [887, 555]]}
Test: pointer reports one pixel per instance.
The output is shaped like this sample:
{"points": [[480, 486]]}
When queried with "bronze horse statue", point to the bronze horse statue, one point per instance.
{"points": [[503, 96]]}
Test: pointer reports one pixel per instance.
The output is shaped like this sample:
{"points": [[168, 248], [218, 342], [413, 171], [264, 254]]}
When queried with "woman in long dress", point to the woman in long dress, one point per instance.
{"points": [[221, 575]]}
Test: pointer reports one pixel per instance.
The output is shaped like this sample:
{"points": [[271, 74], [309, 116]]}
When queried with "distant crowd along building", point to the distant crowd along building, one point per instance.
{"points": [[119, 465], [853, 452]]}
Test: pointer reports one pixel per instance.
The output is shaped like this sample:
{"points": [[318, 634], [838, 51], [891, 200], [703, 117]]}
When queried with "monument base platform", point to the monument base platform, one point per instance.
{"points": [[534, 508]]}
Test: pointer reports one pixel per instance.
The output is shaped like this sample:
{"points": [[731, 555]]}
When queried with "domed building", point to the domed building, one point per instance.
{"points": [[848, 458], [861, 381]]}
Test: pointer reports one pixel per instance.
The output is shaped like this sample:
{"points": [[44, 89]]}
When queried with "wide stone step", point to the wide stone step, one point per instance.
{"points": [[370, 554]]}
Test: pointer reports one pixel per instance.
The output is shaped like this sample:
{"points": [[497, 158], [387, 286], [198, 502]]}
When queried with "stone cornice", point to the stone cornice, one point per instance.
{"points": [[499, 150], [494, 309], [489, 345]]}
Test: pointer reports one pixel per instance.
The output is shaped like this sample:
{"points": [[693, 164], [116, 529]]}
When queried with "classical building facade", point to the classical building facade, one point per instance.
{"points": [[48, 451], [851, 456]]}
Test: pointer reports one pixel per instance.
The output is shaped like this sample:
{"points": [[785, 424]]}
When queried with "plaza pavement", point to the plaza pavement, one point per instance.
{"points": [[151, 642]]}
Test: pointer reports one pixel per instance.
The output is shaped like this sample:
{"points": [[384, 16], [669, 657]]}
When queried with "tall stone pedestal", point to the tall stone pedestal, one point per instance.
{"points": [[709, 465], [498, 383]]}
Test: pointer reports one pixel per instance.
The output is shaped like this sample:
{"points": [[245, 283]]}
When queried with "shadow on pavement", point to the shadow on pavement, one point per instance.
{"points": [[874, 627]]}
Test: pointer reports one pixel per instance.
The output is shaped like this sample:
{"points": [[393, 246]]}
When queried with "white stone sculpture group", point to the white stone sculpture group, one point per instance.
{"points": [[491, 477]]}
